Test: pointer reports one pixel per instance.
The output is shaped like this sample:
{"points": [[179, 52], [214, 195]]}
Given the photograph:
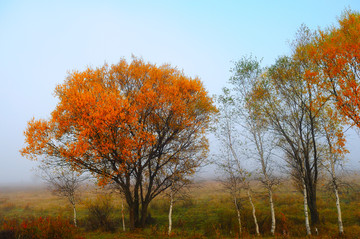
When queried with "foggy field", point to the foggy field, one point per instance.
{"points": [[207, 212], [179, 119]]}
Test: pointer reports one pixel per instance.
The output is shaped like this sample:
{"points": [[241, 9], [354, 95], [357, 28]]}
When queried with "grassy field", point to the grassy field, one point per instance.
{"points": [[207, 212]]}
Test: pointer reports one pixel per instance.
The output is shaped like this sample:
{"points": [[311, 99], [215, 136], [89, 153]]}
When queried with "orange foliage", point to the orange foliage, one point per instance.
{"points": [[336, 51], [111, 117]]}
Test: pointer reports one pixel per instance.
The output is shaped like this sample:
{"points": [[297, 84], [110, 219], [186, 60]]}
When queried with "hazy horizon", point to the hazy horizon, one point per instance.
{"points": [[41, 41]]}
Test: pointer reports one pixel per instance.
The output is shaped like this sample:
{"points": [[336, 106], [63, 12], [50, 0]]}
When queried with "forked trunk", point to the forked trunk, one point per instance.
{"points": [[307, 224], [253, 212], [137, 217]]}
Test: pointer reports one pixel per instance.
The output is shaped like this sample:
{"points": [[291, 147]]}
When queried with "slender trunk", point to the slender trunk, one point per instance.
{"points": [[273, 220], [307, 224], [341, 228], [123, 215], [170, 213], [74, 208], [238, 214], [259, 145], [253, 212]]}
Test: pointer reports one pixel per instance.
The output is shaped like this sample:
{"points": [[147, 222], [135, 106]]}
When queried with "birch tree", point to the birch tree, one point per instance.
{"points": [[249, 194], [246, 72], [335, 155], [62, 181], [176, 192], [117, 189], [235, 176]]}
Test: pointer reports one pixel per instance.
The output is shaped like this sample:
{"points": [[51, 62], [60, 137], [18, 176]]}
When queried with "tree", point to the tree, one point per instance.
{"points": [[336, 52], [284, 101], [335, 154], [176, 191], [62, 181], [235, 176], [136, 125], [115, 188], [245, 75]]}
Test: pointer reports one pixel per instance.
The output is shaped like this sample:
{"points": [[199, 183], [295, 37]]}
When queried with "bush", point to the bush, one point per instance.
{"points": [[99, 214], [39, 228]]}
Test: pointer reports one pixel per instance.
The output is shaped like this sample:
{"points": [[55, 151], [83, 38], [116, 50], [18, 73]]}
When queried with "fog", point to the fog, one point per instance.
{"points": [[41, 40]]}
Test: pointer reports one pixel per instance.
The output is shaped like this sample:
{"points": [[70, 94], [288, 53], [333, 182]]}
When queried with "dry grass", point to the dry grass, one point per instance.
{"points": [[207, 212]]}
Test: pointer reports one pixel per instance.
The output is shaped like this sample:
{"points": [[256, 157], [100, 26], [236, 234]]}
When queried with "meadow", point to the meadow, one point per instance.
{"points": [[206, 212]]}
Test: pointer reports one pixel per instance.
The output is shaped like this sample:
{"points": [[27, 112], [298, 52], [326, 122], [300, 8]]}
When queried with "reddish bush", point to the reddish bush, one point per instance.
{"points": [[40, 228]]}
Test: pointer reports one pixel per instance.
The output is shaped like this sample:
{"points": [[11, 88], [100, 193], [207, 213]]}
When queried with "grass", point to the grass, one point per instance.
{"points": [[208, 212]]}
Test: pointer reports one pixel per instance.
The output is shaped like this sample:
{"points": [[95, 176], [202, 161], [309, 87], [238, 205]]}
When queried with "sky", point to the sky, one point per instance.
{"points": [[40, 41]]}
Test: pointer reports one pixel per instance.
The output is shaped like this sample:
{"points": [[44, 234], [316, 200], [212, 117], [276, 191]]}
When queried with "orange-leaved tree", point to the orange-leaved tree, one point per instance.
{"points": [[135, 124], [336, 52]]}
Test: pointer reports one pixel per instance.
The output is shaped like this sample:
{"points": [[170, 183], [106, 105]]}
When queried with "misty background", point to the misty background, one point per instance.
{"points": [[40, 41]]}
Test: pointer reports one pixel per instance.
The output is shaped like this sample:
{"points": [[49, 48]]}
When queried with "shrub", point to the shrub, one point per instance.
{"points": [[99, 214], [39, 228]]}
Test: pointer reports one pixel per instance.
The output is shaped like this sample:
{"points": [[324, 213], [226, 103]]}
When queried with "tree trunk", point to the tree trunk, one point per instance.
{"points": [[341, 228], [253, 212], [132, 218], [273, 220], [238, 214], [307, 224], [137, 217], [74, 208], [311, 197], [144, 215], [123, 215], [170, 213]]}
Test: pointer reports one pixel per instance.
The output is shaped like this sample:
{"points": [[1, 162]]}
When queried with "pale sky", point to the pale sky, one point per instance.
{"points": [[41, 40]]}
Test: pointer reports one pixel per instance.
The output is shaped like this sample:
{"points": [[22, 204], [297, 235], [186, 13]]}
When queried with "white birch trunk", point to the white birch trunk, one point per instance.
{"points": [[75, 224], [170, 213], [307, 224], [336, 192], [341, 228], [259, 146], [238, 214], [273, 220], [123, 215], [253, 212]]}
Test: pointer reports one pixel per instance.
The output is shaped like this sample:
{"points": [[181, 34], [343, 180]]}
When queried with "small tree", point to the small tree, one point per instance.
{"points": [[117, 189], [62, 181], [335, 155], [246, 73], [235, 176], [176, 191]]}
